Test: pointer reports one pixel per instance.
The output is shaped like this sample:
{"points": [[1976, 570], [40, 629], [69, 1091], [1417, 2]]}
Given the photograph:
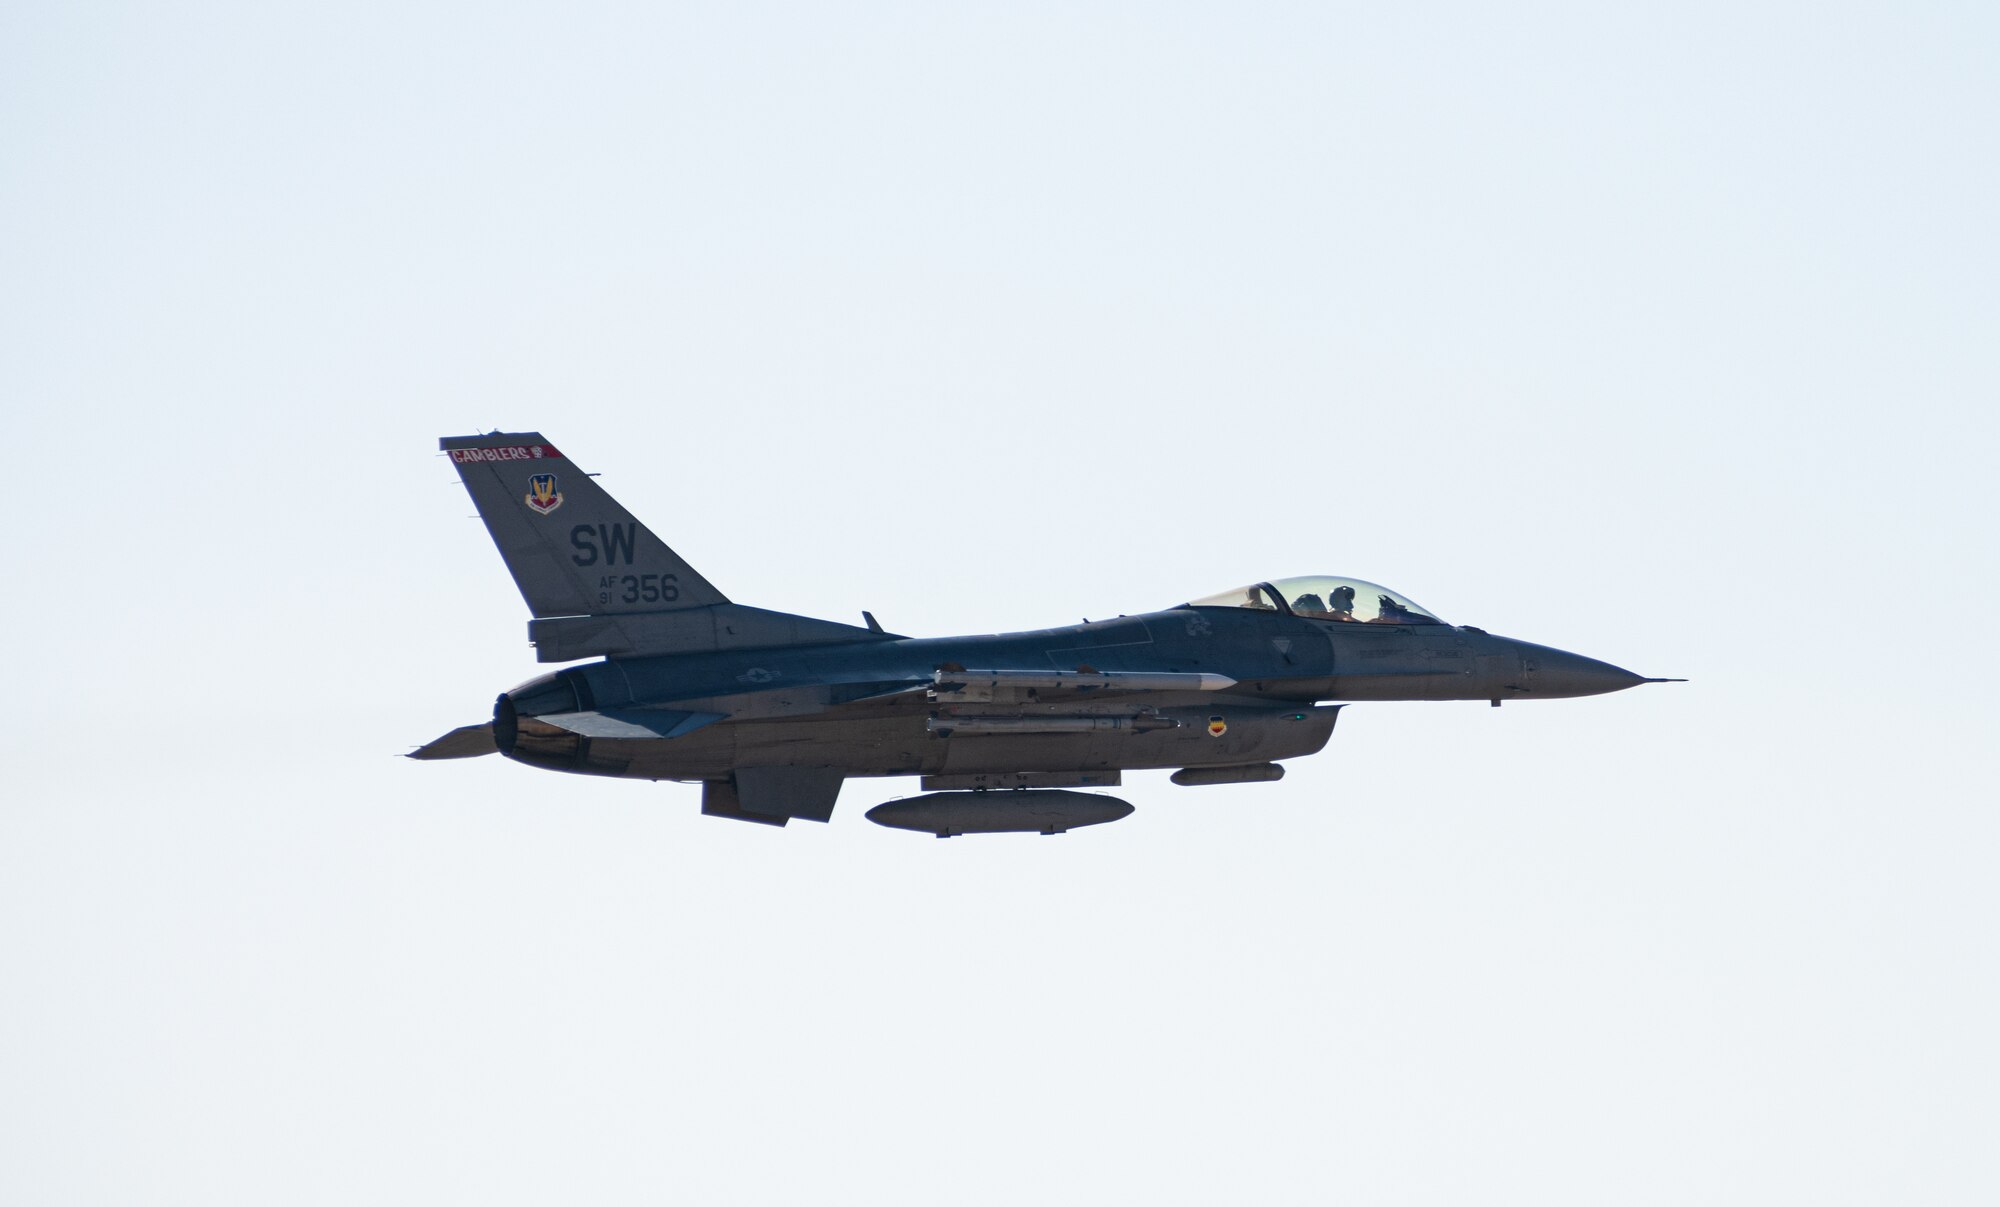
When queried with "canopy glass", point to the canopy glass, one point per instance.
{"points": [[1323, 597]]}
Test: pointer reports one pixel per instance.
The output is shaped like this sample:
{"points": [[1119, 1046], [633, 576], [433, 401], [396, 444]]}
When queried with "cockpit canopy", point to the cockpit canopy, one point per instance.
{"points": [[1318, 597]]}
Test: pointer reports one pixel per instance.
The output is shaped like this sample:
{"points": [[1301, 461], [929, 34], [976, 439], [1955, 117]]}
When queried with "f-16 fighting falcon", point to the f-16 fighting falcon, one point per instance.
{"points": [[771, 713]]}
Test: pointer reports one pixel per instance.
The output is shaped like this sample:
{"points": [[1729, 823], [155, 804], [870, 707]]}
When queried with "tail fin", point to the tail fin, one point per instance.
{"points": [[573, 551], [597, 580]]}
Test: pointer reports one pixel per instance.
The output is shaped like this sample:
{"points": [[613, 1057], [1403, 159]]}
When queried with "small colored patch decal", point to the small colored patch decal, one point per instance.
{"points": [[1217, 727], [542, 494]]}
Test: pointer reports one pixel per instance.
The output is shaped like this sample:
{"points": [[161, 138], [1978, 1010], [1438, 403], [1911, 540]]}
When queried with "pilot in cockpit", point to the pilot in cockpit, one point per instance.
{"points": [[1391, 611], [1309, 605], [1342, 604]]}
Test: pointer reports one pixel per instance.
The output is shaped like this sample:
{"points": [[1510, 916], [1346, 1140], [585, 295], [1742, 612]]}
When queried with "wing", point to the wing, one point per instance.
{"points": [[679, 717]]}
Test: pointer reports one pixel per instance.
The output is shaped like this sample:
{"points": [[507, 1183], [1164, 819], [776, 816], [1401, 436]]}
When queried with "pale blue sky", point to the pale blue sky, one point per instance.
{"points": [[1661, 334]]}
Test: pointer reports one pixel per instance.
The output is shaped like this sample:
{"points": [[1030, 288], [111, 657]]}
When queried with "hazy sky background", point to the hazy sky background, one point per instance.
{"points": [[1665, 334]]}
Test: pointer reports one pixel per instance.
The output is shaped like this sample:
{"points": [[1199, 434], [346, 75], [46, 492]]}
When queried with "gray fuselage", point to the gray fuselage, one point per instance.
{"points": [[870, 708]]}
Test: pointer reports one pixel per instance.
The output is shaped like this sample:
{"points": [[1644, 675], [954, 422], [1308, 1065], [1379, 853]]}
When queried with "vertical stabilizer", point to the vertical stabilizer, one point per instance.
{"points": [[573, 551]]}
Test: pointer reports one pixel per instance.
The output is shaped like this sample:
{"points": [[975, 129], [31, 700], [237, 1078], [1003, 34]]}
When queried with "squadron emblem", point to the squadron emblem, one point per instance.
{"points": [[542, 494], [1217, 727]]}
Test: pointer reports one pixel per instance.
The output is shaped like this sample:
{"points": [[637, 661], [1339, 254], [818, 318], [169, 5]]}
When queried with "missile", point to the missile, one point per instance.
{"points": [[1019, 811], [978, 685], [948, 726]]}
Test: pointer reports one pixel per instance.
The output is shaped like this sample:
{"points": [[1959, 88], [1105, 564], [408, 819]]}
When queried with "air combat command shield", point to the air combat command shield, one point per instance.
{"points": [[542, 494]]}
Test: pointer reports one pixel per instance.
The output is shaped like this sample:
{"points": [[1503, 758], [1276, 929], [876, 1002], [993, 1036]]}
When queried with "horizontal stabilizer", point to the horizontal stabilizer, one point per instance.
{"points": [[631, 722], [465, 742]]}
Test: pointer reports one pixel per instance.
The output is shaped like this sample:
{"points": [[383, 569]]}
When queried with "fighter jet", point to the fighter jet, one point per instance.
{"points": [[772, 713]]}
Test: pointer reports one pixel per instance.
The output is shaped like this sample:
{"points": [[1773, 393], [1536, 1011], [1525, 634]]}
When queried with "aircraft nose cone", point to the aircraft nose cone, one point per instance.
{"points": [[1553, 672]]}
